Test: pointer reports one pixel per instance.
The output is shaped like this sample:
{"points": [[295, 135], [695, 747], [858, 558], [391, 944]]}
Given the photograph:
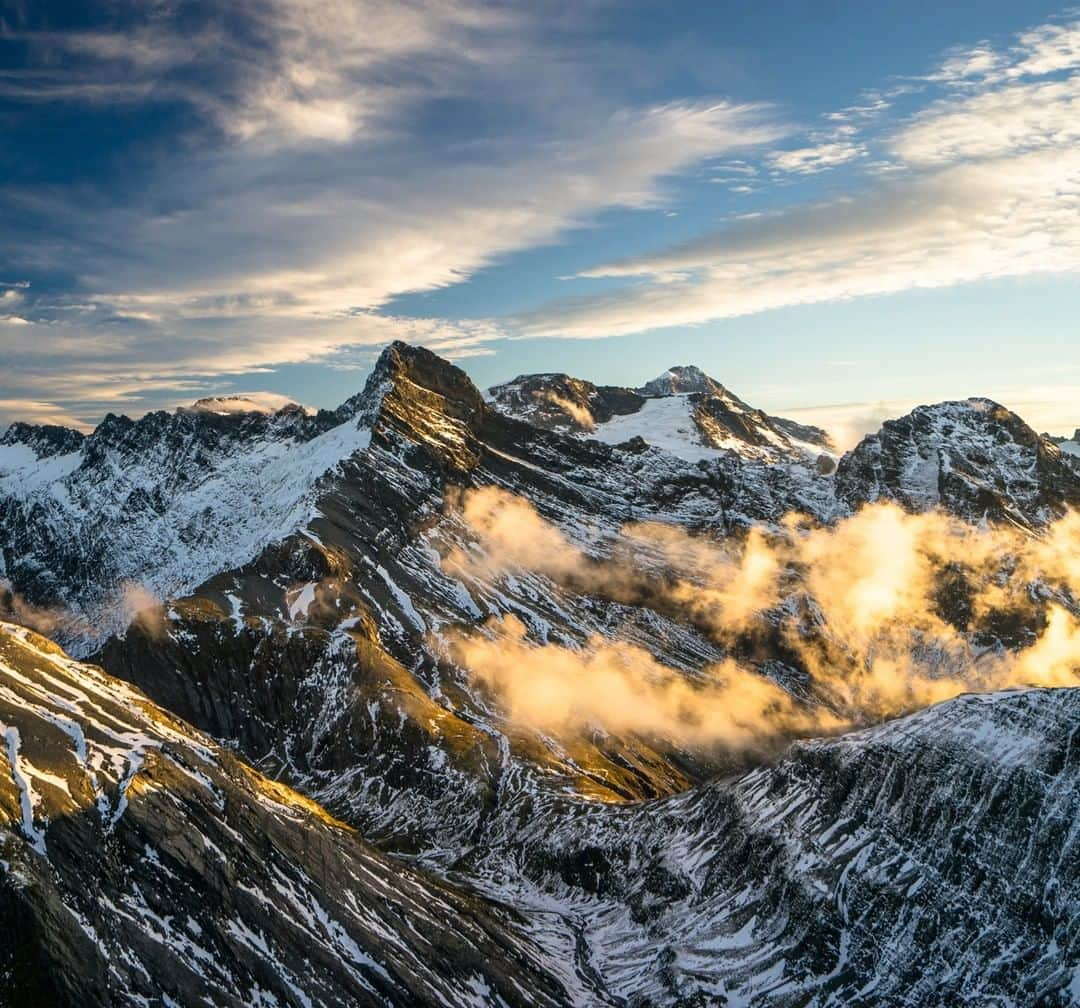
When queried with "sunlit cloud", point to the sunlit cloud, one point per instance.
{"points": [[317, 192], [807, 160], [985, 183], [856, 604], [36, 411]]}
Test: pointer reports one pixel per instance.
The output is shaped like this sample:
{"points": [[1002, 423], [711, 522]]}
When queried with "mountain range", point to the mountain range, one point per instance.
{"points": [[289, 761]]}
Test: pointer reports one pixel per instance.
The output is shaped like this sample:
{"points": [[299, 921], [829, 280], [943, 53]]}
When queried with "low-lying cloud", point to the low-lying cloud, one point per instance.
{"points": [[130, 602], [885, 612]]}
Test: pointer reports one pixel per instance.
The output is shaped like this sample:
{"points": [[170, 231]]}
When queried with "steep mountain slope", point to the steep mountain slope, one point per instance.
{"points": [[161, 503], [323, 654], [42, 440], [931, 860], [974, 458], [683, 411], [141, 864], [317, 658], [315, 570]]}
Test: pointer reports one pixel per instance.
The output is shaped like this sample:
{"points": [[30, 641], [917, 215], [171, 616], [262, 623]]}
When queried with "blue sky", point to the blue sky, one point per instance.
{"points": [[838, 209]]}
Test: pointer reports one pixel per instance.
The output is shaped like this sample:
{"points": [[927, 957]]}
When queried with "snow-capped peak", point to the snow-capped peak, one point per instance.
{"points": [[247, 402], [682, 380]]}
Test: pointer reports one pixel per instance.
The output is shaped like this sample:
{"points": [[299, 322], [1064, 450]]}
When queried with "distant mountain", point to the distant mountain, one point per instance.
{"points": [[1069, 447], [40, 440], [974, 458], [560, 403], [683, 411], [306, 594], [683, 380]]}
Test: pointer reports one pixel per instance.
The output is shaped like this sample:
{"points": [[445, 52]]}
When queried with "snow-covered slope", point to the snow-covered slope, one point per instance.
{"points": [[683, 411], [324, 658], [974, 458], [140, 864], [152, 508], [665, 422], [934, 860]]}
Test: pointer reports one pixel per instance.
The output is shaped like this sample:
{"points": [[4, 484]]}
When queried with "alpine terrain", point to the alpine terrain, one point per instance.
{"points": [[562, 694]]}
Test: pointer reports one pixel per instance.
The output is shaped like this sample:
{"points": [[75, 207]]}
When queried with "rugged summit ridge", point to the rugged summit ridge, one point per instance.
{"points": [[44, 440], [683, 411], [975, 458]]}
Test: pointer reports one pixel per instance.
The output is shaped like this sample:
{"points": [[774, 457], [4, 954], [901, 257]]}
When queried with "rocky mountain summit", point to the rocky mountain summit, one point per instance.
{"points": [[683, 379], [683, 411], [293, 585], [974, 458]]}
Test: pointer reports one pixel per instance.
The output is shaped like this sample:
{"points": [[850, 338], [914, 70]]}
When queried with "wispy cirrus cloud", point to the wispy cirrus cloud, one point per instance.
{"points": [[311, 179], [807, 160], [36, 411], [984, 183]]}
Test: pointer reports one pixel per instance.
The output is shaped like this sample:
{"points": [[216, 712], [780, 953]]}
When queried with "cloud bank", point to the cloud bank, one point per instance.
{"points": [[325, 159], [885, 611]]}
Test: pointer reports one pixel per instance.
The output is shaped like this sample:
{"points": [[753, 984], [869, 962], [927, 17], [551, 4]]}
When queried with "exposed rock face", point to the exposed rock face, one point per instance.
{"points": [[143, 864], [560, 403], [726, 422], [140, 861], [843, 875], [307, 602], [974, 458]]}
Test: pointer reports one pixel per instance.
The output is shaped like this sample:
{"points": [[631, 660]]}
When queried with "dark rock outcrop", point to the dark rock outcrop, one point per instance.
{"points": [[975, 459], [144, 864]]}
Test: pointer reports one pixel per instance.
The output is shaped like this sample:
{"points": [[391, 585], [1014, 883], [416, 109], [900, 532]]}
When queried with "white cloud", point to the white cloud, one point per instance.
{"points": [[807, 160], [963, 65], [1047, 49], [1005, 120], [327, 186], [1010, 217], [246, 402], [984, 184], [324, 184], [849, 423]]}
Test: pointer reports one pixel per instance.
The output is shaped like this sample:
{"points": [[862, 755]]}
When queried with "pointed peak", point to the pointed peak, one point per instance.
{"points": [[682, 379], [425, 399], [415, 370]]}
